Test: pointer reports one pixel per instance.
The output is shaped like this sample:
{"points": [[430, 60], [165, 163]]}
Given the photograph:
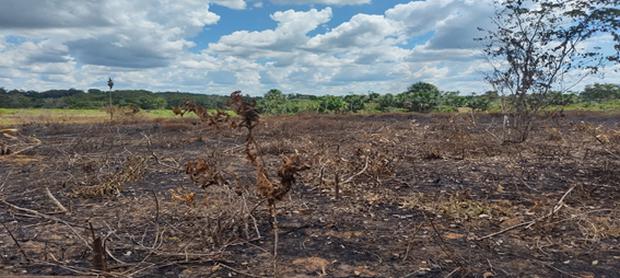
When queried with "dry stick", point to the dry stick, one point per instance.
{"points": [[48, 217], [149, 146], [415, 232], [337, 184], [556, 208], [16, 243], [559, 270], [37, 143], [321, 172], [358, 173], [530, 223], [239, 271], [245, 207], [453, 272], [54, 200], [98, 250], [274, 216], [76, 270]]}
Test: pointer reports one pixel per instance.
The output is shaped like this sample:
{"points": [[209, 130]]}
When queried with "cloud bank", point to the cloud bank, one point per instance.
{"points": [[152, 45]]}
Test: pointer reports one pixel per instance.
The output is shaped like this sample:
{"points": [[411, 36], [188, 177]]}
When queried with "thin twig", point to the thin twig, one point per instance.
{"points": [[358, 173], [274, 216], [241, 272], [453, 272], [415, 232], [530, 223], [36, 144], [16, 242], [54, 200], [45, 216]]}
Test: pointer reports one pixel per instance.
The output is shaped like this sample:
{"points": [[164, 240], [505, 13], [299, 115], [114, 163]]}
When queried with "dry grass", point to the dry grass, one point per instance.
{"points": [[380, 195]]}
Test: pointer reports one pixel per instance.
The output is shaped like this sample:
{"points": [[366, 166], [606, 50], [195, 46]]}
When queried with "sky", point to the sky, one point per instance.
{"points": [[218, 46]]}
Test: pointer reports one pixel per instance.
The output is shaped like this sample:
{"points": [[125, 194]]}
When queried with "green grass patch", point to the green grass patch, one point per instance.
{"points": [[605, 106], [16, 116]]}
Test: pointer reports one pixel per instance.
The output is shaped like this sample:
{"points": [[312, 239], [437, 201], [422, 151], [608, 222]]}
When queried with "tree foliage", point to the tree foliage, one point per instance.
{"points": [[601, 92], [274, 102], [420, 97]]}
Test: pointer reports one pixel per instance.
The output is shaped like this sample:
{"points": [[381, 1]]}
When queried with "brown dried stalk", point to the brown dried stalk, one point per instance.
{"points": [[265, 186], [211, 119], [99, 257]]}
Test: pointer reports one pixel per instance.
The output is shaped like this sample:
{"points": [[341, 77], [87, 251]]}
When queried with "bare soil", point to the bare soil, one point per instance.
{"points": [[418, 196]]}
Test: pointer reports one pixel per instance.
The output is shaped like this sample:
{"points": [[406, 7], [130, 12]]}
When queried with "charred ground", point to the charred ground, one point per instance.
{"points": [[418, 196]]}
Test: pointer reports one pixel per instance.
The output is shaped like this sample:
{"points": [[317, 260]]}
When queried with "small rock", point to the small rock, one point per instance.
{"points": [[595, 262]]}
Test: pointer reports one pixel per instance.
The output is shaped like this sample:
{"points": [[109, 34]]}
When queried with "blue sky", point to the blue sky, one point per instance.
{"points": [[218, 46], [257, 18]]}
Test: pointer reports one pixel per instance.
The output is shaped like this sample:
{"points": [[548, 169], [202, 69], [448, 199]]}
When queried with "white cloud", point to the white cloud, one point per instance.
{"points": [[326, 2], [288, 35], [233, 4], [147, 44], [454, 22], [138, 34], [361, 31]]}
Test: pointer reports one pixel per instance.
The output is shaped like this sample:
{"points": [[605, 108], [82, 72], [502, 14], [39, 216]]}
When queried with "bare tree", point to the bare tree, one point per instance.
{"points": [[537, 46]]}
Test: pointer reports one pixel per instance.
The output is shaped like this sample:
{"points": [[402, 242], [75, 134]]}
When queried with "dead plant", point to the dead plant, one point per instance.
{"points": [[212, 119], [178, 111], [132, 169], [204, 172]]}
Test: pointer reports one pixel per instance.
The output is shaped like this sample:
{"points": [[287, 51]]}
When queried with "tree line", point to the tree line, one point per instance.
{"points": [[420, 97], [95, 99]]}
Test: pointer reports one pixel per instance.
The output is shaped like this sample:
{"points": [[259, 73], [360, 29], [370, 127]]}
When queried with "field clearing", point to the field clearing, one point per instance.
{"points": [[14, 116], [391, 195]]}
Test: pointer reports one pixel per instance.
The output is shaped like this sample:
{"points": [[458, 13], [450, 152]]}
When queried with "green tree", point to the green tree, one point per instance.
{"points": [[478, 103], [601, 92], [453, 99], [420, 97], [274, 102], [355, 103], [388, 102], [328, 104]]}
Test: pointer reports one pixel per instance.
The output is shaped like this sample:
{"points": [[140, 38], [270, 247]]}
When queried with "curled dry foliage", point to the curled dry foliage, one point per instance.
{"points": [[246, 110], [180, 196], [291, 165], [212, 119], [204, 173], [178, 111]]}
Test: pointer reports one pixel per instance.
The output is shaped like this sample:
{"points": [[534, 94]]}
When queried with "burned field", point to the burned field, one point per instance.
{"points": [[371, 196]]}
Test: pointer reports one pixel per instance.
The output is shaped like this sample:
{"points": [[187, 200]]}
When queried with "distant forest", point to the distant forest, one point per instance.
{"points": [[419, 97]]}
